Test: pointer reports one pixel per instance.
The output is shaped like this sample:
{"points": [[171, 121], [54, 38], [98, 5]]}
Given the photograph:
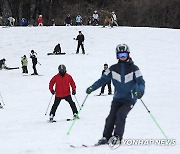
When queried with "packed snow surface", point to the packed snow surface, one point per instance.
{"points": [[23, 125]]}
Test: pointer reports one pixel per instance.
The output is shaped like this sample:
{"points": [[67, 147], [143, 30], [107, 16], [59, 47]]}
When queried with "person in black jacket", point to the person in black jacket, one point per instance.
{"points": [[1, 107], [68, 21], [108, 84], [80, 39], [57, 49], [34, 61], [2, 64]]}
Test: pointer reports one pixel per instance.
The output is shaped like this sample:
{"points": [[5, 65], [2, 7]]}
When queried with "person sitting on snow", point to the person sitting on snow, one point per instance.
{"points": [[2, 64], [57, 49]]}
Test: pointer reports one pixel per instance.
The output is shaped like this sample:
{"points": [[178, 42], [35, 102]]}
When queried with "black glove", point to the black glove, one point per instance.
{"points": [[89, 90], [138, 95], [53, 92], [74, 92]]}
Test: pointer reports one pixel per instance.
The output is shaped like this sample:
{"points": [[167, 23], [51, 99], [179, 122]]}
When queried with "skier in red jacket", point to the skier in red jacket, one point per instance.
{"points": [[62, 82], [40, 21]]}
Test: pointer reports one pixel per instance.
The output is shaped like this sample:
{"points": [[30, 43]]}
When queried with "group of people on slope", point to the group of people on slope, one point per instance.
{"points": [[80, 38], [128, 83], [24, 63], [110, 18]]}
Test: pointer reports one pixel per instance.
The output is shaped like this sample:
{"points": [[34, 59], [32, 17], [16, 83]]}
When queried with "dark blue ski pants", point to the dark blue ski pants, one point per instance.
{"points": [[115, 122]]}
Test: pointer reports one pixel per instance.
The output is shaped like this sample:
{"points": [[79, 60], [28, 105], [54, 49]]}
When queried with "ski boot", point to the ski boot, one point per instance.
{"points": [[75, 114], [102, 141], [51, 118]]}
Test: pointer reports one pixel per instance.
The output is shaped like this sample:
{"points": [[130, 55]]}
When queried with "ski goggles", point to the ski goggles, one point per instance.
{"points": [[122, 55]]}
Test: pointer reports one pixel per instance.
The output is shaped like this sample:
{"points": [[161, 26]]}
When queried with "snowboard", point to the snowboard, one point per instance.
{"points": [[12, 68], [56, 54]]}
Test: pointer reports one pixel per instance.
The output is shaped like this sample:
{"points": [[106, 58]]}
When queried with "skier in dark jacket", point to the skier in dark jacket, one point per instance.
{"points": [[68, 21], [62, 82], [108, 84], [129, 86], [80, 39], [34, 61]]}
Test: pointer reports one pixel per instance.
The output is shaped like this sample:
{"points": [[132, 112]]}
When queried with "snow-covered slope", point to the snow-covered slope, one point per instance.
{"points": [[23, 125]]}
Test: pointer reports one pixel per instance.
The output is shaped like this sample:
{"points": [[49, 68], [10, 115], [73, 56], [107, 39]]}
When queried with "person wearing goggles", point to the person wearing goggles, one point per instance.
{"points": [[129, 86]]}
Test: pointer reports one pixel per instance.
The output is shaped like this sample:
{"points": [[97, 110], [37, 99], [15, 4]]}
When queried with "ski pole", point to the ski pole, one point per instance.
{"points": [[154, 120], [68, 132], [49, 104], [39, 63], [2, 99], [76, 101]]}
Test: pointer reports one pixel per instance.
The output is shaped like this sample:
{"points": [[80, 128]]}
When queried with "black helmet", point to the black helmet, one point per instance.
{"points": [[3, 59], [62, 68], [106, 65]]}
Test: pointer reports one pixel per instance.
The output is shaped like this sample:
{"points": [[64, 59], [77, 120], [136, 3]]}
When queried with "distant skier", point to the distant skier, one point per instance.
{"points": [[23, 22], [114, 19], [40, 20], [1, 107], [53, 22], [108, 84], [24, 63], [68, 21], [11, 21], [33, 56], [95, 19], [62, 81], [107, 20], [80, 39], [129, 86], [78, 20]]}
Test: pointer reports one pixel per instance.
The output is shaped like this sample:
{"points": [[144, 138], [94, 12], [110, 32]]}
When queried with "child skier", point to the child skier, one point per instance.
{"points": [[24, 63]]}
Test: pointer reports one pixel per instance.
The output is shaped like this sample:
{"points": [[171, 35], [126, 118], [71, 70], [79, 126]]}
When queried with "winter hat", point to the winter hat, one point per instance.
{"points": [[106, 65]]}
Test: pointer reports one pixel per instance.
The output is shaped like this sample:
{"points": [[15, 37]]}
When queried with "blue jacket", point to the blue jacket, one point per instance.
{"points": [[126, 78], [78, 18]]}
